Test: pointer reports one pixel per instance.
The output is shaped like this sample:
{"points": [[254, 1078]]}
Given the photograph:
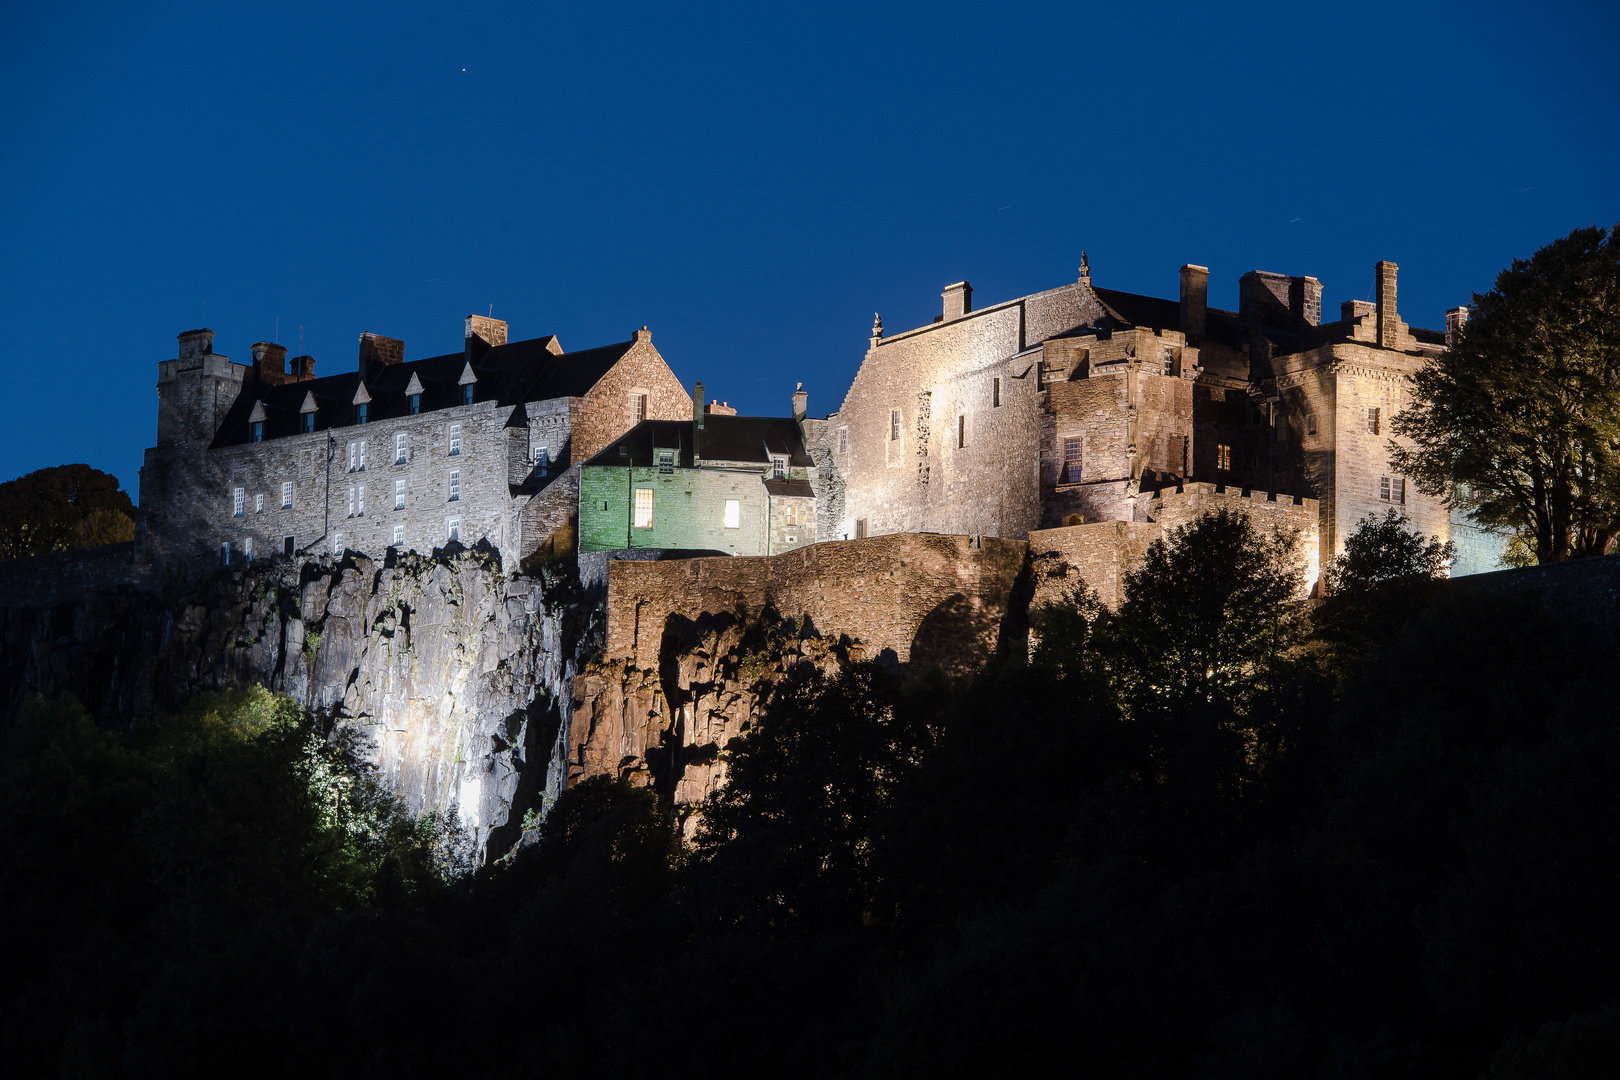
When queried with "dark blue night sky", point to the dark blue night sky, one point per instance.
{"points": [[750, 182]]}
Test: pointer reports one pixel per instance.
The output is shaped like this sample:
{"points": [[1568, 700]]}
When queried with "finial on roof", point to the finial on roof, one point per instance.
{"points": [[877, 328], [1085, 267]]}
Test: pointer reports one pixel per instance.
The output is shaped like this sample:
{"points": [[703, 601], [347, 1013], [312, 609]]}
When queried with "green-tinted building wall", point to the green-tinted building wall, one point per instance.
{"points": [[688, 509]]}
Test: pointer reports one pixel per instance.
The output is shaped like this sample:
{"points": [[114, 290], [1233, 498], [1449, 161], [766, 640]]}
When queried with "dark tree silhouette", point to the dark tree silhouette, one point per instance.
{"points": [[61, 508]]}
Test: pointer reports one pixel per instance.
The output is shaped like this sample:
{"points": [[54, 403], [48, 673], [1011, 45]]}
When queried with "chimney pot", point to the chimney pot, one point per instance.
{"points": [[958, 299], [303, 367], [270, 360]]}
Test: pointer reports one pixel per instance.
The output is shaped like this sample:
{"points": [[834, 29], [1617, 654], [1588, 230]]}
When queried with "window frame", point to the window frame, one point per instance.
{"points": [[416, 404], [402, 448], [239, 502], [308, 425], [666, 462], [453, 441], [397, 539], [453, 486], [779, 466], [286, 494], [361, 411], [1372, 421], [452, 530], [894, 425], [995, 392], [399, 494], [732, 514], [258, 503], [1076, 443], [641, 516], [1223, 457], [258, 431]]}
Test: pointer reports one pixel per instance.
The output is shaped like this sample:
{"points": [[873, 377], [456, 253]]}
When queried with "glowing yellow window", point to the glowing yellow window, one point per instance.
{"points": [[643, 508], [733, 514], [1223, 456]]}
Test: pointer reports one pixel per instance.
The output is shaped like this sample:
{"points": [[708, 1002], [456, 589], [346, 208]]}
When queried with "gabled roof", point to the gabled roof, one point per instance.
{"points": [[742, 440]]}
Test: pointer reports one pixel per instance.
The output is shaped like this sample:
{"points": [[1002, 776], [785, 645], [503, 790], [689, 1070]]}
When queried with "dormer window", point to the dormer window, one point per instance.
{"points": [[258, 431], [666, 461], [416, 404], [778, 467], [467, 394], [309, 422], [360, 413]]}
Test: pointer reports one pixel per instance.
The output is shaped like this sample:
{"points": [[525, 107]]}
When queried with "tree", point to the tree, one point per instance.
{"points": [[61, 508], [1383, 550], [1519, 421]]}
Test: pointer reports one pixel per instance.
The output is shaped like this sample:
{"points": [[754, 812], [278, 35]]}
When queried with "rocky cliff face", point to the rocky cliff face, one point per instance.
{"points": [[458, 677]]}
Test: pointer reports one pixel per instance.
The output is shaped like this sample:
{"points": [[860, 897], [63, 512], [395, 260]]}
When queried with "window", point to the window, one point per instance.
{"points": [[337, 544], [778, 467], [1223, 457], [1310, 424], [1279, 428], [287, 547], [239, 502], [1372, 421], [843, 440], [455, 438], [894, 425], [1392, 489], [247, 548], [624, 451], [286, 494], [790, 515], [995, 393], [1071, 460], [961, 431], [309, 421], [258, 503], [455, 485], [452, 530], [225, 553], [666, 461], [638, 406], [354, 456], [860, 528], [399, 537], [351, 500], [362, 455], [399, 494], [360, 412], [258, 431], [467, 394], [542, 458], [402, 447], [1169, 361], [643, 518], [360, 500], [416, 404], [733, 514]]}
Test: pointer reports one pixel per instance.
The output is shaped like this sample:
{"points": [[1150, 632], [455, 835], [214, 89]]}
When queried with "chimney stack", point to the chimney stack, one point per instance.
{"points": [[1194, 299], [195, 343], [1389, 321], [379, 351], [1455, 319], [483, 334], [801, 403], [303, 367], [270, 361], [697, 406], [958, 300]]}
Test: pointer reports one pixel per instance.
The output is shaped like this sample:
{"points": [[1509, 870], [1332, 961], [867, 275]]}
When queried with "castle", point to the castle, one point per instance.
{"points": [[1081, 419]]}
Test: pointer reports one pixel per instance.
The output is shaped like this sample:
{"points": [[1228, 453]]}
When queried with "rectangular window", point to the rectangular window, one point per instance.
{"points": [[225, 553], [995, 393], [258, 503], [247, 548], [733, 514], [351, 500], [258, 431], [452, 530], [287, 546], [1372, 421], [354, 454], [467, 394], [1383, 489], [455, 438], [416, 404], [638, 407], [778, 467], [961, 431], [1071, 460], [337, 544], [360, 500], [455, 485], [542, 458], [666, 461], [860, 528], [1169, 362], [362, 455], [399, 537], [790, 514], [286, 494], [1310, 424], [360, 412], [894, 425], [399, 494], [1397, 490], [402, 448], [644, 509], [843, 440], [309, 421], [1223, 457], [239, 502]]}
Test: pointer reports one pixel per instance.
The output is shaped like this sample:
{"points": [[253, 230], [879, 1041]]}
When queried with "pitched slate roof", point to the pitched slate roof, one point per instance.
{"points": [[747, 440], [509, 374]]}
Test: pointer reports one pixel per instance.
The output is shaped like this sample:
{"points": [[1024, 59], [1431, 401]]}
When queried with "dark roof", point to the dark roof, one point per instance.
{"points": [[1427, 337], [510, 374], [749, 440], [1134, 309], [796, 489]]}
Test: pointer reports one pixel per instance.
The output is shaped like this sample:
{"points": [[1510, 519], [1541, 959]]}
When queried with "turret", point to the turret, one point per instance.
{"points": [[195, 391]]}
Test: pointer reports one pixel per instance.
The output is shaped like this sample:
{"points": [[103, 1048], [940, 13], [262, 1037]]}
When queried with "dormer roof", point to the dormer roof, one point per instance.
{"points": [[467, 375], [257, 415], [414, 386], [361, 395], [309, 402]]}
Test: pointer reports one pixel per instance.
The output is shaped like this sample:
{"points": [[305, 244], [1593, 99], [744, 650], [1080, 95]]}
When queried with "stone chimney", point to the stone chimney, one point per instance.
{"points": [[801, 403], [195, 343], [303, 367], [1355, 309], [697, 406], [379, 351], [719, 408], [644, 336], [958, 300], [1194, 299], [483, 334], [1456, 318], [1389, 321], [270, 361], [1305, 300]]}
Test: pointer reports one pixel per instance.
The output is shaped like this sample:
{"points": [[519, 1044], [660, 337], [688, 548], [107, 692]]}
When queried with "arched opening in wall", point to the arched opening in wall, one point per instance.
{"points": [[1075, 519], [956, 636]]}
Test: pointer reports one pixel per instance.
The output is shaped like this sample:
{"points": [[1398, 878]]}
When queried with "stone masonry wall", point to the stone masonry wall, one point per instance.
{"points": [[609, 410]]}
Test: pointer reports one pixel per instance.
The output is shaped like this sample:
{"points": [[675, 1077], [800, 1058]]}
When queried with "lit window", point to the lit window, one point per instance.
{"points": [[401, 448], [1372, 421], [1071, 460], [455, 438], [309, 421], [894, 424], [416, 404], [733, 513], [452, 530], [455, 485], [247, 548], [360, 500], [644, 509], [666, 461], [286, 494], [790, 515], [778, 467], [399, 537], [258, 431], [995, 393], [399, 494], [258, 503], [239, 502], [467, 394], [225, 553], [360, 413], [1223, 457]]}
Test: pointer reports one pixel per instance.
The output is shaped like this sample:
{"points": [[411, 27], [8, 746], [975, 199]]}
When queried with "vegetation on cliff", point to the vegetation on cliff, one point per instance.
{"points": [[1206, 835]]}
